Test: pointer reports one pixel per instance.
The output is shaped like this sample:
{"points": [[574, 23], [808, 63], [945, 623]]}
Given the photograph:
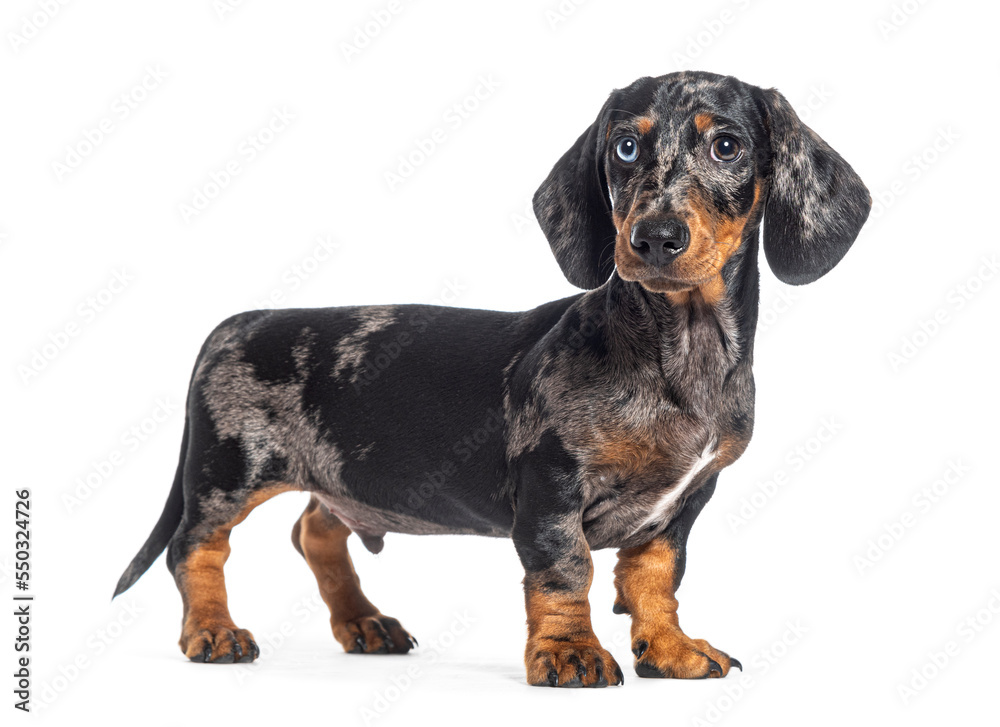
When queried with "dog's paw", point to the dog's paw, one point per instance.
{"points": [[672, 655], [555, 663], [376, 634], [219, 645]]}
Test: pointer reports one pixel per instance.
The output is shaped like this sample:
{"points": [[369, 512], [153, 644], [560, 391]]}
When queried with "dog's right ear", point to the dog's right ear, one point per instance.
{"points": [[574, 211]]}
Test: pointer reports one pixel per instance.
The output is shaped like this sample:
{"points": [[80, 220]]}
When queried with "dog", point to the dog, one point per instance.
{"points": [[598, 421]]}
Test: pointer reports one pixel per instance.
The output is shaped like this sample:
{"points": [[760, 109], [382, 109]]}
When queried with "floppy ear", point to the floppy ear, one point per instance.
{"points": [[817, 203], [573, 210]]}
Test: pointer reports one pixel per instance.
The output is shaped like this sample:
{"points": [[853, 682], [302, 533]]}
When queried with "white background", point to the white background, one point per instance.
{"points": [[883, 82]]}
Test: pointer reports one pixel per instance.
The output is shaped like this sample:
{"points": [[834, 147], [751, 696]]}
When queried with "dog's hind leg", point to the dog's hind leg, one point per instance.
{"points": [[321, 538], [196, 556]]}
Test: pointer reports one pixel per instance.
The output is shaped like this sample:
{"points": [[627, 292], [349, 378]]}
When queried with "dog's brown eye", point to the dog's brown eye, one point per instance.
{"points": [[726, 149]]}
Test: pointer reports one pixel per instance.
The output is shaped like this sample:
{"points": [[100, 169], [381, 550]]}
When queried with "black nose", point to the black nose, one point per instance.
{"points": [[657, 242]]}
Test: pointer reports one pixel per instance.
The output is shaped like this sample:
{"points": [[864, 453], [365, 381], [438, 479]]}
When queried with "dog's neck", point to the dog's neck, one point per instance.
{"points": [[701, 335]]}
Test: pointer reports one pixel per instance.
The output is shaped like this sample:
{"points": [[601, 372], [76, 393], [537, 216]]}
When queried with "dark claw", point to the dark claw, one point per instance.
{"points": [[573, 683], [553, 678], [713, 666], [620, 675], [413, 641], [361, 645], [735, 662], [250, 654], [618, 608], [581, 669], [205, 656], [602, 680], [226, 658], [640, 648], [237, 652], [387, 642]]}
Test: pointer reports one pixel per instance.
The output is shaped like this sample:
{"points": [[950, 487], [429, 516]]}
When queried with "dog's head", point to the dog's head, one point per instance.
{"points": [[675, 172]]}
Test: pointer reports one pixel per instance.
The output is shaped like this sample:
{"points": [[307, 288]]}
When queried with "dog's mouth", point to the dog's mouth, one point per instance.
{"points": [[659, 279], [665, 285]]}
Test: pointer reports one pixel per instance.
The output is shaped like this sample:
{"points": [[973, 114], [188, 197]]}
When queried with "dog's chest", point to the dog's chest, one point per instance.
{"points": [[647, 456], [636, 481]]}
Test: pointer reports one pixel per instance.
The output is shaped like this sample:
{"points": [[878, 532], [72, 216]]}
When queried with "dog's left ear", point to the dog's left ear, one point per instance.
{"points": [[573, 210], [817, 203]]}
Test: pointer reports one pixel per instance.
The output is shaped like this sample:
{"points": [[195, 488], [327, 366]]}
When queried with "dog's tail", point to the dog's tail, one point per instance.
{"points": [[162, 531]]}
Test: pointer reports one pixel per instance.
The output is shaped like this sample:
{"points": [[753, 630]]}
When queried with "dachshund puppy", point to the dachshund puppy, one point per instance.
{"points": [[597, 421]]}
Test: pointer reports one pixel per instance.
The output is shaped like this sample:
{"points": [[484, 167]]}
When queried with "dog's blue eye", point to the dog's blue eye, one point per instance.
{"points": [[628, 149], [726, 149]]}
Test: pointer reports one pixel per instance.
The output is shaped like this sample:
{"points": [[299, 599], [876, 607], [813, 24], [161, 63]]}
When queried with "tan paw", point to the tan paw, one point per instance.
{"points": [[553, 662], [376, 634], [218, 645], [673, 655]]}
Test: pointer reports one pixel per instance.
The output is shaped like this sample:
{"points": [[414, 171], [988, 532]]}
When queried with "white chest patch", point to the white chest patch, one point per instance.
{"points": [[668, 499]]}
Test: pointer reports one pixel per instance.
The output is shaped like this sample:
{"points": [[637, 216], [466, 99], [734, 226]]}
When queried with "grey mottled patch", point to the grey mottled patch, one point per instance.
{"points": [[672, 380], [525, 423], [352, 349]]}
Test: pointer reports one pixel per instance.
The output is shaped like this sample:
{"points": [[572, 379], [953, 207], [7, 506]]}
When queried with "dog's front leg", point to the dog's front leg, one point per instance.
{"points": [[646, 578], [562, 649]]}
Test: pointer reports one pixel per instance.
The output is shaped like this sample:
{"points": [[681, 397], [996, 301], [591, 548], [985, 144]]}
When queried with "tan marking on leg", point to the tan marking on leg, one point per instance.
{"points": [[562, 646], [208, 632], [645, 579], [357, 624]]}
